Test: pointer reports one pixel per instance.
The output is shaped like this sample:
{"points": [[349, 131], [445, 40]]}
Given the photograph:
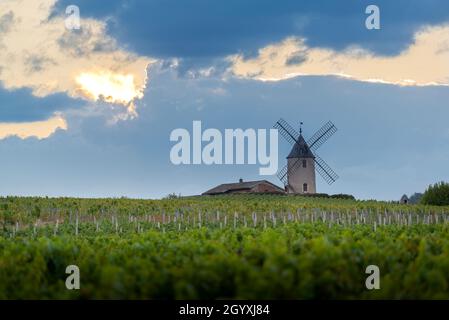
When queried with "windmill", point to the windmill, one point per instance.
{"points": [[298, 175]]}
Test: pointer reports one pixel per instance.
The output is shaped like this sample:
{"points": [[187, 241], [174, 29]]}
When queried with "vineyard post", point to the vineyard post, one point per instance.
{"points": [[76, 224], [235, 219], [56, 227]]}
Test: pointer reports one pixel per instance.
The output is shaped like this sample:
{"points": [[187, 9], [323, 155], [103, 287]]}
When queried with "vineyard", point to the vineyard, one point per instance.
{"points": [[222, 247]]}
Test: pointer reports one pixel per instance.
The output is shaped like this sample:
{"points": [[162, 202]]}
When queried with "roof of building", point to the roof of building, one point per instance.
{"points": [[247, 185], [300, 149]]}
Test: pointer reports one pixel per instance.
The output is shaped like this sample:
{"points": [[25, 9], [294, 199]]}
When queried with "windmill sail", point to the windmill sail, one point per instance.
{"points": [[325, 171], [286, 131], [285, 171], [321, 136], [302, 149], [282, 175]]}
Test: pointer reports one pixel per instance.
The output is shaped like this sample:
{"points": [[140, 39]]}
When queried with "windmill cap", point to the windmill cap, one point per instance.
{"points": [[300, 149]]}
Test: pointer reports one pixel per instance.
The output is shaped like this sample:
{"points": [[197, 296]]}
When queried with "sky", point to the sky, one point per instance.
{"points": [[88, 111]]}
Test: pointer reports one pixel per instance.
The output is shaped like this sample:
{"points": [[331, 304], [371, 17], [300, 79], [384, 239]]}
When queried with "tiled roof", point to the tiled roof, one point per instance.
{"points": [[300, 149], [227, 187]]}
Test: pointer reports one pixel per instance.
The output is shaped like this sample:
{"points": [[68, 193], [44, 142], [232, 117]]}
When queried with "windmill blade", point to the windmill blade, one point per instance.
{"points": [[282, 175], [286, 131], [325, 171], [321, 136]]}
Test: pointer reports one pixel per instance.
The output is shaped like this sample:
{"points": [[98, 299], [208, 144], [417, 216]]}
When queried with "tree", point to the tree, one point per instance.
{"points": [[415, 198], [437, 194], [172, 196]]}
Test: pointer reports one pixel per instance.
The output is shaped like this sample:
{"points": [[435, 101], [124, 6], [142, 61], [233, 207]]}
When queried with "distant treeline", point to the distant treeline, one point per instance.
{"points": [[325, 195]]}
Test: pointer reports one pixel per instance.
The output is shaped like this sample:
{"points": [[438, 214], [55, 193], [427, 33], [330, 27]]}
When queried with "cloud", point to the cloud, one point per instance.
{"points": [[38, 129], [424, 62], [213, 29], [110, 87], [21, 105], [39, 53]]}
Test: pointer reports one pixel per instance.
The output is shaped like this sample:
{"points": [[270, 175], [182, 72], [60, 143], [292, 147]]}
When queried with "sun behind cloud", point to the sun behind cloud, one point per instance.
{"points": [[110, 87]]}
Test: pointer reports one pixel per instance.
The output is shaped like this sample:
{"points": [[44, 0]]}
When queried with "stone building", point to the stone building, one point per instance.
{"points": [[301, 168], [260, 186], [404, 199]]}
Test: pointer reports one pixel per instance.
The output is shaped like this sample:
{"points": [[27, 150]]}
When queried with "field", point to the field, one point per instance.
{"points": [[222, 247]]}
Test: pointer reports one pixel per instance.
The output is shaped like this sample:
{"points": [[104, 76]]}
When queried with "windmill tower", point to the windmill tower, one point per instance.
{"points": [[298, 175], [302, 177]]}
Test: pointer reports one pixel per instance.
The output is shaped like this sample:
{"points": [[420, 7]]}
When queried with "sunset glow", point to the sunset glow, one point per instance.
{"points": [[110, 87], [38, 129]]}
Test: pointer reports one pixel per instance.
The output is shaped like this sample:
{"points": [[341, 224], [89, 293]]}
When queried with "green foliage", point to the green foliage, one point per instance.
{"points": [[325, 195], [437, 195], [172, 196], [296, 261], [314, 195], [343, 196], [213, 247]]}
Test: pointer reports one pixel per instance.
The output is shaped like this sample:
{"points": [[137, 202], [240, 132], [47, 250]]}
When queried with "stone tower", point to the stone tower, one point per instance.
{"points": [[301, 168]]}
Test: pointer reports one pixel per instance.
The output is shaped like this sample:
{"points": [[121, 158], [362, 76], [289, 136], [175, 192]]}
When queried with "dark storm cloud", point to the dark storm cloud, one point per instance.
{"points": [[21, 106], [204, 28]]}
